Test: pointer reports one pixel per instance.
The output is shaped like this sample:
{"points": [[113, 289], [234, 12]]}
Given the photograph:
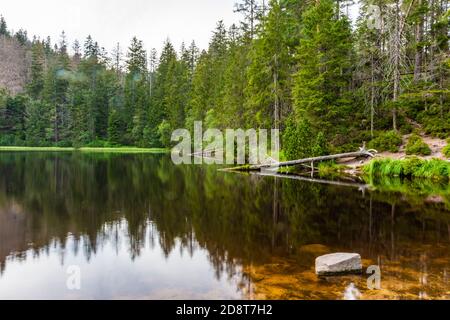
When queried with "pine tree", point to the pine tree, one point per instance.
{"points": [[252, 12], [164, 104], [37, 123], [3, 27], [136, 92], [324, 63], [235, 80], [55, 94], [36, 84], [47, 46], [208, 80], [116, 128], [12, 123], [76, 47], [370, 60], [201, 92], [153, 64], [269, 73], [22, 37], [193, 54], [91, 49], [117, 59], [136, 58]]}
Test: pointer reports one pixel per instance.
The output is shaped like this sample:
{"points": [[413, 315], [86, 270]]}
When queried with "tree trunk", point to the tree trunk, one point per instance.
{"points": [[396, 65], [418, 54], [372, 97], [277, 101]]}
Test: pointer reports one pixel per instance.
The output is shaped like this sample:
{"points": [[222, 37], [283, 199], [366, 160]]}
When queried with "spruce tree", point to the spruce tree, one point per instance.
{"points": [[36, 84], [235, 80], [324, 61], [3, 27], [136, 93], [164, 104], [208, 80], [56, 96], [268, 91]]}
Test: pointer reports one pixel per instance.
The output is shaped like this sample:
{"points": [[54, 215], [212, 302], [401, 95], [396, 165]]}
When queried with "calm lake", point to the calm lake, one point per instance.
{"points": [[137, 226]]}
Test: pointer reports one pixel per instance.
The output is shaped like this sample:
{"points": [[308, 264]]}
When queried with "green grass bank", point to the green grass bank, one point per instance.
{"points": [[86, 149], [413, 167]]}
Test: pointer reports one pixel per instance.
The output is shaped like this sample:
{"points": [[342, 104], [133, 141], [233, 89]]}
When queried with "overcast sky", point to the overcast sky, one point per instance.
{"points": [[112, 21]]}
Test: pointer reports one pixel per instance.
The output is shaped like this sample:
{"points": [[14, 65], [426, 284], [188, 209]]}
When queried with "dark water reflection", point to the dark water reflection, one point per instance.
{"points": [[140, 227]]}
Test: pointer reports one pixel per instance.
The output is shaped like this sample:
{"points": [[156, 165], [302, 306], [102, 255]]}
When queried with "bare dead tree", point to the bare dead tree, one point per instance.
{"points": [[396, 21], [13, 65]]}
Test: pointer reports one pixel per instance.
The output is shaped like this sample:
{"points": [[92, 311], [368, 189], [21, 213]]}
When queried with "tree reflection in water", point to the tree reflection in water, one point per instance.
{"points": [[239, 220]]}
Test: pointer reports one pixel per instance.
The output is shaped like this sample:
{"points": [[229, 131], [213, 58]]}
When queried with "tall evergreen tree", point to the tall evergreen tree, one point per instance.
{"points": [[136, 92], [235, 80], [270, 72], [208, 80], [324, 61], [164, 104], [36, 84], [4, 27], [55, 95]]}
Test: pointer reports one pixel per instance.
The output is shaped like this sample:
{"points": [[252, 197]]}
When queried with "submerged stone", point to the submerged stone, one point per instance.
{"points": [[338, 263]]}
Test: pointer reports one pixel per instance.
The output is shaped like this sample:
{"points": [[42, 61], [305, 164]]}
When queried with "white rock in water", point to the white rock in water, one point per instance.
{"points": [[337, 263]]}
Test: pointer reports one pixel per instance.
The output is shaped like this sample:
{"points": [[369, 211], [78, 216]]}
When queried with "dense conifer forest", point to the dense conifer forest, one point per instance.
{"points": [[327, 81]]}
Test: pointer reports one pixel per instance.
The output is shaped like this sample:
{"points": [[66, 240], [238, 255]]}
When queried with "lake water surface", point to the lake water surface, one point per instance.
{"points": [[137, 226]]}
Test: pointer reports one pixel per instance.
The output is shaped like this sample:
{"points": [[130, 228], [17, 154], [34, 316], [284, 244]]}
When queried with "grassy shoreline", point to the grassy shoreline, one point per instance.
{"points": [[86, 149], [412, 168]]}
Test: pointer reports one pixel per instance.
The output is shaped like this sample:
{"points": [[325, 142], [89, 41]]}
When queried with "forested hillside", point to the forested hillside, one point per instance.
{"points": [[301, 66]]}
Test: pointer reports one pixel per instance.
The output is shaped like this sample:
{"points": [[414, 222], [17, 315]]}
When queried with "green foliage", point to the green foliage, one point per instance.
{"points": [[330, 169], [36, 85], [437, 126], [37, 122], [169, 101], [235, 111], [136, 93], [165, 132], [10, 140], [3, 27], [299, 141], [269, 73], [320, 146], [416, 146], [99, 144], [415, 190], [324, 60], [409, 168], [388, 141], [446, 150], [116, 128], [12, 118], [208, 80]]}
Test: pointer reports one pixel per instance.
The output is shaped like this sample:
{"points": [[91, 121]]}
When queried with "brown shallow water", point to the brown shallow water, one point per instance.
{"points": [[422, 274], [139, 227]]}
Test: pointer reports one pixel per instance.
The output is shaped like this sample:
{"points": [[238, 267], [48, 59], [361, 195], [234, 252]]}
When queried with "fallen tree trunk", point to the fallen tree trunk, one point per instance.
{"points": [[362, 153]]}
